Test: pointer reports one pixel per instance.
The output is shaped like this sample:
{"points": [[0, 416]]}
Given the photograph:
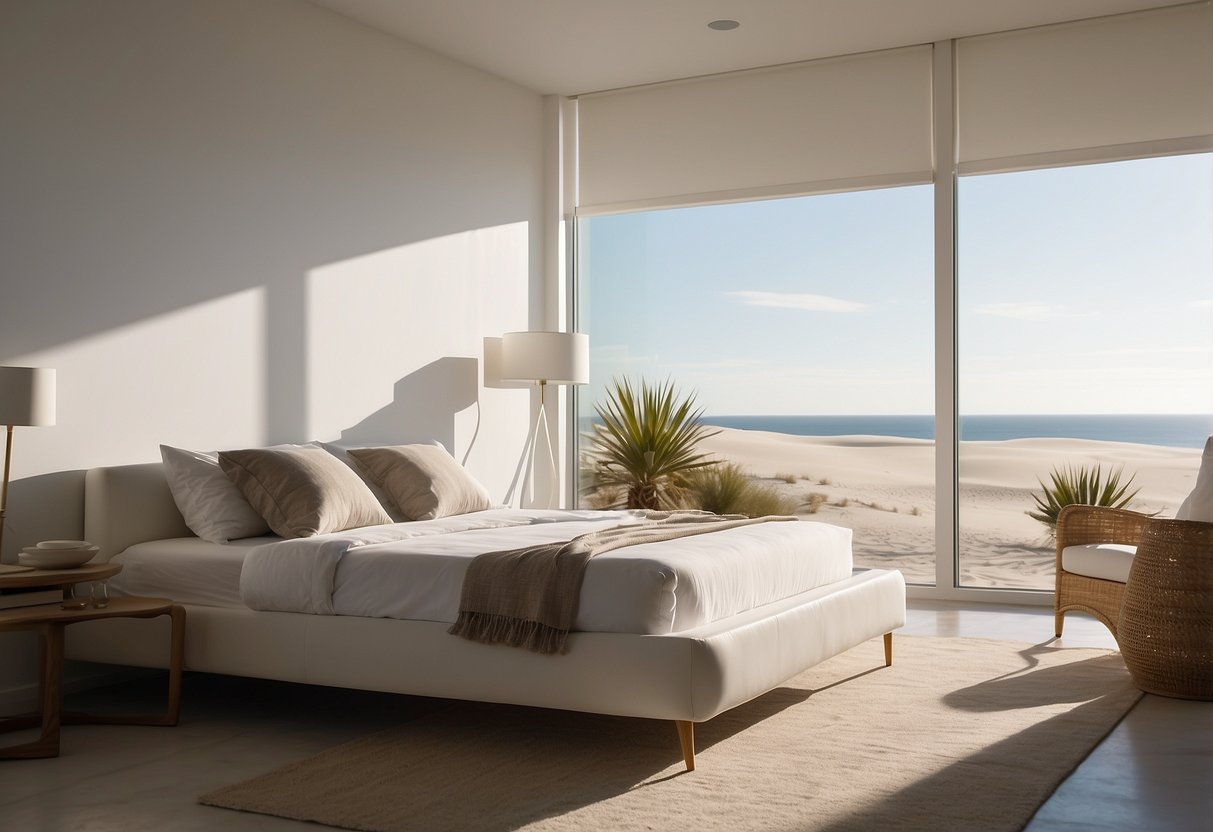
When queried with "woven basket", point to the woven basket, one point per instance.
{"points": [[1166, 623]]}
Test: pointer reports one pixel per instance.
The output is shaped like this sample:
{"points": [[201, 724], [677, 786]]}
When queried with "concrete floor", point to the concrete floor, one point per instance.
{"points": [[1153, 772]]}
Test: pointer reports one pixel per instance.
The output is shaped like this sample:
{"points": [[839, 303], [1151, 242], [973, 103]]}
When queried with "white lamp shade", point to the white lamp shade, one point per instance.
{"points": [[553, 357], [27, 396]]}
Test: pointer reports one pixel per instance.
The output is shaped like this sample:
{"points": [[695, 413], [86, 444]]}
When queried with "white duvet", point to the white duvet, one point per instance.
{"points": [[415, 570]]}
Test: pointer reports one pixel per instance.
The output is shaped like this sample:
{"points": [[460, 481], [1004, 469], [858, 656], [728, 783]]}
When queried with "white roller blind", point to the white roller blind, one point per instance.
{"points": [[1119, 86], [857, 121]]}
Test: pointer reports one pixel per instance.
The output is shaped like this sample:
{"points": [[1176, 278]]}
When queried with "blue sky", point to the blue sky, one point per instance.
{"points": [[1071, 280]]}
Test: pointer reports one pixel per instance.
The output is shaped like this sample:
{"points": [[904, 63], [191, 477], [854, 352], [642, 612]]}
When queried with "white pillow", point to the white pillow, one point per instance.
{"points": [[1199, 505], [211, 504]]}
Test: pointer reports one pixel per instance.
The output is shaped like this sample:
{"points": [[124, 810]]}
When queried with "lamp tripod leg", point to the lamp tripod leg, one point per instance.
{"points": [[8, 458], [553, 473]]}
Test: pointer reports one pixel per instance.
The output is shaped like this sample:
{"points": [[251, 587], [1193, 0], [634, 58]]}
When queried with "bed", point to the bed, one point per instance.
{"points": [[685, 656]]}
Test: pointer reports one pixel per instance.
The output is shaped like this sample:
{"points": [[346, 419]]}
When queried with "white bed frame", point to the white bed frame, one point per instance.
{"points": [[687, 677]]}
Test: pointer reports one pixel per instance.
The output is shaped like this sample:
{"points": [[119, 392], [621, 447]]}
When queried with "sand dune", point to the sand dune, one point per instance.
{"points": [[883, 488]]}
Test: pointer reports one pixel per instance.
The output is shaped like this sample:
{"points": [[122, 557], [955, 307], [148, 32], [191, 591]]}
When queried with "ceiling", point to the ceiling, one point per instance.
{"points": [[576, 46]]}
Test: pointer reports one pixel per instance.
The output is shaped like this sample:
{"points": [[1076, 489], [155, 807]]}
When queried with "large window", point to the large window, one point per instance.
{"points": [[1085, 337], [806, 329]]}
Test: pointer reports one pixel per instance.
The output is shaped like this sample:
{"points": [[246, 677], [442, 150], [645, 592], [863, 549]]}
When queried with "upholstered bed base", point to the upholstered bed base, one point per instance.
{"points": [[688, 677]]}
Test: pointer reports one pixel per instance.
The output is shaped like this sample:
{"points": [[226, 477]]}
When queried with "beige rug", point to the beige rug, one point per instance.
{"points": [[959, 734]]}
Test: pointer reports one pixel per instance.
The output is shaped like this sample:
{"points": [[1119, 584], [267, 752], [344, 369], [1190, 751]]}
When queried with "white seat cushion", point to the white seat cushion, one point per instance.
{"points": [[1107, 561]]}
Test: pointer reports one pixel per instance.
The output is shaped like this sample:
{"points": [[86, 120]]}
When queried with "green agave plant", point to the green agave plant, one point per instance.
{"points": [[1081, 486], [645, 442]]}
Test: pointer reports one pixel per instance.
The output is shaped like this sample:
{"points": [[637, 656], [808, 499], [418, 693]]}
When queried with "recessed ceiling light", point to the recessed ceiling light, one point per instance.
{"points": [[723, 25]]}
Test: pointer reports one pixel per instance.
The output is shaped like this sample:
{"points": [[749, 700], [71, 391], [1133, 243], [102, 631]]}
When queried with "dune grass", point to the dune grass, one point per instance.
{"points": [[726, 488]]}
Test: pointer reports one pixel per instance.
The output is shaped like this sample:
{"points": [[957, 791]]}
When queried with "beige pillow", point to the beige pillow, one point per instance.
{"points": [[211, 504], [423, 480], [302, 492], [342, 452]]}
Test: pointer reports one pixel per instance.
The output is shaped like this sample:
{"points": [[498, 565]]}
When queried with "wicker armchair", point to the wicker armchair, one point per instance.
{"points": [[1078, 525]]}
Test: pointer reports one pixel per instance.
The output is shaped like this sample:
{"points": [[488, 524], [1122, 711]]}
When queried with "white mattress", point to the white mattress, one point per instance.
{"points": [[188, 570], [650, 589]]}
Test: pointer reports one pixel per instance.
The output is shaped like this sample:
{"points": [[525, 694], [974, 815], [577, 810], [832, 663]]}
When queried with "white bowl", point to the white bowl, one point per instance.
{"points": [[56, 558], [63, 544]]}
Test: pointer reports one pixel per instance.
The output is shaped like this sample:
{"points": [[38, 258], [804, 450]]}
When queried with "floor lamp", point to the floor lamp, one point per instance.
{"points": [[545, 358], [27, 397]]}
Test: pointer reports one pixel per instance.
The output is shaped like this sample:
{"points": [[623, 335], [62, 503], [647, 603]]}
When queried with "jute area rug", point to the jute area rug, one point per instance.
{"points": [[959, 734]]}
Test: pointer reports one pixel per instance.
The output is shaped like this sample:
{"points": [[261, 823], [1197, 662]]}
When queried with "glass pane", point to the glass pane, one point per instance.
{"points": [[805, 328], [1085, 338]]}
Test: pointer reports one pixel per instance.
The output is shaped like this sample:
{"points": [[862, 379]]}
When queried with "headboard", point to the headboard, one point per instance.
{"points": [[129, 504]]}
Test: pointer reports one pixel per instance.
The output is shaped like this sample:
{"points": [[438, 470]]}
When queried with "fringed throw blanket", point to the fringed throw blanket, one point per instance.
{"points": [[528, 597]]}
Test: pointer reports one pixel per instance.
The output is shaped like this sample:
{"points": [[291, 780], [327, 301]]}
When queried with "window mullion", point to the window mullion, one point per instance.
{"points": [[944, 125]]}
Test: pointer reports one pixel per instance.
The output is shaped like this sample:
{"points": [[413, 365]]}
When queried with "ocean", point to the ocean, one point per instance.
{"points": [[1176, 431]]}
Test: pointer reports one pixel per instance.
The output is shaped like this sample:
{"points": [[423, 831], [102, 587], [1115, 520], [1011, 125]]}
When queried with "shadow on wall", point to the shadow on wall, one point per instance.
{"points": [[258, 195], [26, 520], [423, 407]]}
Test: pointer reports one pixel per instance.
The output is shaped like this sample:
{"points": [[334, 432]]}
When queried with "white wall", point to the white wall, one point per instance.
{"points": [[229, 223]]}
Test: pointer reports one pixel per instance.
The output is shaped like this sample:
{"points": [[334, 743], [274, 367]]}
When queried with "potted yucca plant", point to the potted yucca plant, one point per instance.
{"points": [[644, 443], [1080, 486]]}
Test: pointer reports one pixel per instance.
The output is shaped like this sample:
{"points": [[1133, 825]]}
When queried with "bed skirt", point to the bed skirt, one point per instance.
{"points": [[688, 676]]}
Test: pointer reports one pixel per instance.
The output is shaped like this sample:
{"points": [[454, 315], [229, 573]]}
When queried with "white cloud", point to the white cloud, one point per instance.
{"points": [[618, 354], [1027, 311], [1203, 303], [727, 364], [1130, 351], [798, 300]]}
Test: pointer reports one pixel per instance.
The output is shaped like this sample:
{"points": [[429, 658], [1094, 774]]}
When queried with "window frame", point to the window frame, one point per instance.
{"points": [[945, 185]]}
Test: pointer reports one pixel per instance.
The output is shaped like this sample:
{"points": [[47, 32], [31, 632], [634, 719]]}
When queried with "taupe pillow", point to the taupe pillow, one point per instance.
{"points": [[423, 480], [302, 492]]}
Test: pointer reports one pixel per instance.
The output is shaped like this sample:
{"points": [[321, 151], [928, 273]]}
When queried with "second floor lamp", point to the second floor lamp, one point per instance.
{"points": [[545, 358]]}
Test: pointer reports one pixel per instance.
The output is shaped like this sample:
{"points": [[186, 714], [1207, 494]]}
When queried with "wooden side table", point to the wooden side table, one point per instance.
{"points": [[49, 621]]}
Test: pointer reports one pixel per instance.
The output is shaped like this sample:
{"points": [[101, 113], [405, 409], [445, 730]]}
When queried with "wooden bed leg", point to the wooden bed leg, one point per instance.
{"points": [[888, 649], [686, 738]]}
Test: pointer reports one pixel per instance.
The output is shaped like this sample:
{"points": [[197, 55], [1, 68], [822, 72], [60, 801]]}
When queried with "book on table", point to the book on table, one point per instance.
{"points": [[15, 598]]}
